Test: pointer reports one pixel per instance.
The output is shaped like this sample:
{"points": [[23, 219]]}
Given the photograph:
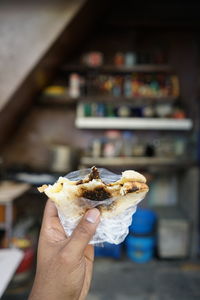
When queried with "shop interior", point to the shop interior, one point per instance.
{"points": [[111, 84]]}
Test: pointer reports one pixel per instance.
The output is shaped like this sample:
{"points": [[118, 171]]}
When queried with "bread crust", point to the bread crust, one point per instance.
{"points": [[74, 198]]}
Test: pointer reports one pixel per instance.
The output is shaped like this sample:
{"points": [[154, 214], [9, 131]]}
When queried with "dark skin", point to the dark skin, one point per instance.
{"points": [[64, 264]]}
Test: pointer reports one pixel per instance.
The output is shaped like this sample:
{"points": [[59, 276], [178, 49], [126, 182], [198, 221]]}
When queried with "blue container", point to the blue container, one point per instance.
{"points": [[108, 250], [140, 249], [143, 222]]}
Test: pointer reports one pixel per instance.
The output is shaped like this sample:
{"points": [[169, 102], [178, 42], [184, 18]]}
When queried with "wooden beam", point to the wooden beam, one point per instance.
{"points": [[69, 40]]}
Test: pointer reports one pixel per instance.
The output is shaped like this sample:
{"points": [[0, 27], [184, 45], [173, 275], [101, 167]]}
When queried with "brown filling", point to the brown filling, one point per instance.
{"points": [[79, 182], [94, 174], [133, 189], [98, 194], [101, 193]]}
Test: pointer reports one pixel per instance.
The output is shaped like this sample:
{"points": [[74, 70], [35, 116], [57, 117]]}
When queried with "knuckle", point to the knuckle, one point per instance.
{"points": [[65, 258], [68, 260]]}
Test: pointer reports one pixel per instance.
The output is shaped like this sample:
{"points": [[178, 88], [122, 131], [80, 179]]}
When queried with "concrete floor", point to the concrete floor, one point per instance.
{"points": [[157, 280], [125, 280]]}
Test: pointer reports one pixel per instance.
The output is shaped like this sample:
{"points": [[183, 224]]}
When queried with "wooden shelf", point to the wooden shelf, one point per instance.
{"points": [[133, 123], [65, 100], [135, 162], [123, 99], [119, 69], [61, 100]]}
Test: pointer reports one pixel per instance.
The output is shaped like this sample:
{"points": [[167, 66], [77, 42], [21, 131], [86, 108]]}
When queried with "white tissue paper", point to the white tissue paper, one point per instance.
{"points": [[112, 230]]}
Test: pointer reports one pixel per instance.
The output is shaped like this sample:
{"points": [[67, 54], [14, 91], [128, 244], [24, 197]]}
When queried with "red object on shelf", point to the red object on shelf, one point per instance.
{"points": [[27, 261], [119, 59], [179, 115], [93, 59]]}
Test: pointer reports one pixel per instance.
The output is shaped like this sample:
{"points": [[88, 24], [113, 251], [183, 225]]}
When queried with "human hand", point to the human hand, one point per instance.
{"points": [[64, 264]]}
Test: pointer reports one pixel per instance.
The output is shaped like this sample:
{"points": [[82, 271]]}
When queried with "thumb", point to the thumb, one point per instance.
{"points": [[83, 233]]}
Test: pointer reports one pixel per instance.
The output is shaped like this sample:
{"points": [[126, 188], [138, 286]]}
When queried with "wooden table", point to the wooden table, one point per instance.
{"points": [[9, 191]]}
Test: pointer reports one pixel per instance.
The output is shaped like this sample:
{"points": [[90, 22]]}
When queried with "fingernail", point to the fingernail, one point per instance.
{"points": [[92, 215]]}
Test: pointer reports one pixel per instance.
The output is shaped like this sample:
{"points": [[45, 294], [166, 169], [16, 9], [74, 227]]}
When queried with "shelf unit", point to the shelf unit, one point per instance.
{"points": [[119, 69], [109, 69], [133, 123], [126, 123], [185, 171], [66, 100], [136, 162]]}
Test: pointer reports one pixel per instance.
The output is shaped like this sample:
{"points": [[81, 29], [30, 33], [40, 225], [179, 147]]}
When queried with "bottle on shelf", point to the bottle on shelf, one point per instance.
{"points": [[96, 148], [128, 143], [113, 144], [119, 59], [128, 87], [74, 85], [130, 59]]}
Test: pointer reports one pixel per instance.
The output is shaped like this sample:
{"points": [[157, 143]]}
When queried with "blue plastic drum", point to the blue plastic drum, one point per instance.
{"points": [[140, 249], [108, 250], [143, 222]]}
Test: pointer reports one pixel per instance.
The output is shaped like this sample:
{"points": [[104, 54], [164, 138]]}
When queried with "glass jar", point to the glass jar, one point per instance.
{"points": [[113, 143]]}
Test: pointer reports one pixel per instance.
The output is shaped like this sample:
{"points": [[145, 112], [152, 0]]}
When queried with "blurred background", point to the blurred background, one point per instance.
{"points": [[115, 84]]}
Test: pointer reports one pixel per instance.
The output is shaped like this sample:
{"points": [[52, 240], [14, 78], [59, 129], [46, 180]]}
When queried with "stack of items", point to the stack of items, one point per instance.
{"points": [[135, 85], [132, 58], [96, 59], [141, 241], [115, 143], [131, 110]]}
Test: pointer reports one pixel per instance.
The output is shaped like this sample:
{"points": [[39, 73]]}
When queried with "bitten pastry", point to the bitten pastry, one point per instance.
{"points": [[72, 198]]}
